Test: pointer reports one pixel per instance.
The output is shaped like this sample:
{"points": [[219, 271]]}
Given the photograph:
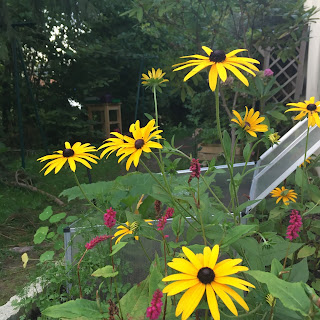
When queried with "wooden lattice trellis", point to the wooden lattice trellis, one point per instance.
{"points": [[290, 74]]}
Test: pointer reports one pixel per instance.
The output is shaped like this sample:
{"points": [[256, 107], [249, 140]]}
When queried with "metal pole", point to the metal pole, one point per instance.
{"points": [[19, 110]]}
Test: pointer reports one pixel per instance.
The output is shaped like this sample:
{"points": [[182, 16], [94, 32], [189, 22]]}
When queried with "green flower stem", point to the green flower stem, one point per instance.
{"points": [[234, 152], [144, 250], [304, 165], [206, 314], [214, 195], [78, 272], [157, 115], [116, 290], [251, 150], [235, 196], [84, 194], [286, 257]]}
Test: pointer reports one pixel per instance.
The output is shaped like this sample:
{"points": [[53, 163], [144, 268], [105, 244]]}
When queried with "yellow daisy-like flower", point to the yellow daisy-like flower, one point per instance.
{"points": [[308, 160], [203, 274], [284, 194], [308, 107], [154, 78], [78, 152], [141, 141], [219, 62], [251, 122], [130, 228], [274, 137]]}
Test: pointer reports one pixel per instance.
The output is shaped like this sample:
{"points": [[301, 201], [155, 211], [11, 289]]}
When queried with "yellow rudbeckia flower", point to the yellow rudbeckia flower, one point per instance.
{"points": [[202, 274], [219, 62], [284, 194]]}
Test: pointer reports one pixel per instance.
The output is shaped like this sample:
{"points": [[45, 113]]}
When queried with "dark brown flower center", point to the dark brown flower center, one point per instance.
{"points": [[217, 56], [139, 143], [206, 275], [68, 153], [247, 124], [311, 107]]}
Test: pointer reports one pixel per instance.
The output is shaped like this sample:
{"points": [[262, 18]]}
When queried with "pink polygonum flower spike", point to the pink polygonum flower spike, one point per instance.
{"points": [[268, 73], [91, 244], [195, 169], [109, 218], [154, 311], [163, 220], [295, 224]]}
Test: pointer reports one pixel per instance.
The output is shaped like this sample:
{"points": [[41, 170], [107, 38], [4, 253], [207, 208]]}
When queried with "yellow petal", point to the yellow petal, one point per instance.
{"points": [[178, 286], [192, 257], [192, 303], [213, 77], [184, 266], [212, 302]]}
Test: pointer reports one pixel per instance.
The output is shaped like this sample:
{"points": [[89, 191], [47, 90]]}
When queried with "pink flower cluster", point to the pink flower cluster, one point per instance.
{"points": [[109, 218], [195, 169], [268, 73], [163, 220], [295, 224], [91, 244], [154, 311]]}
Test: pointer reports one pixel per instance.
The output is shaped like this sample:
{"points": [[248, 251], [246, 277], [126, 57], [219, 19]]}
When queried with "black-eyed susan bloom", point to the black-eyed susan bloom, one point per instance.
{"points": [[305, 163], [78, 152], [284, 194], [154, 78], [141, 141], [251, 122], [219, 62], [129, 228], [203, 275], [309, 108]]}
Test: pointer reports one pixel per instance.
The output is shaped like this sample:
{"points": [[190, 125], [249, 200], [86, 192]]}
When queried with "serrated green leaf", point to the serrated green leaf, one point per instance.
{"points": [[105, 272]]}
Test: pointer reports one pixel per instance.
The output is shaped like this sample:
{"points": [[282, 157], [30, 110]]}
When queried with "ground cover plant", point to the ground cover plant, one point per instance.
{"points": [[210, 255]]}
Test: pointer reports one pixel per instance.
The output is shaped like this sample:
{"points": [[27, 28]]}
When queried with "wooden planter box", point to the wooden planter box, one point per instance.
{"points": [[208, 151]]}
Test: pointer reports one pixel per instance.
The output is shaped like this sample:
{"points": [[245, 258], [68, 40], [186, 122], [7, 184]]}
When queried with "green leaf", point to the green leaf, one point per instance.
{"points": [[245, 205], [77, 308], [136, 301], [236, 233], [292, 295], [105, 272], [299, 176], [276, 267], [246, 152], [277, 115], [46, 256], [40, 235], [50, 235], [306, 251], [227, 143], [58, 245], [178, 225], [46, 213], [300, 272], [275, 213], [148, 116], [117, 247], [259, 85], [57, 217], [279, 250]]}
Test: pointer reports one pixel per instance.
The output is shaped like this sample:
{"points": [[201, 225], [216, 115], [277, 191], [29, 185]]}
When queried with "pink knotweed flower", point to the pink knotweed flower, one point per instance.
{"points": [[154, 311], [295, 224], [268, 73], [109, 218], [91, 244], [195, 169], [163, 220]]}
